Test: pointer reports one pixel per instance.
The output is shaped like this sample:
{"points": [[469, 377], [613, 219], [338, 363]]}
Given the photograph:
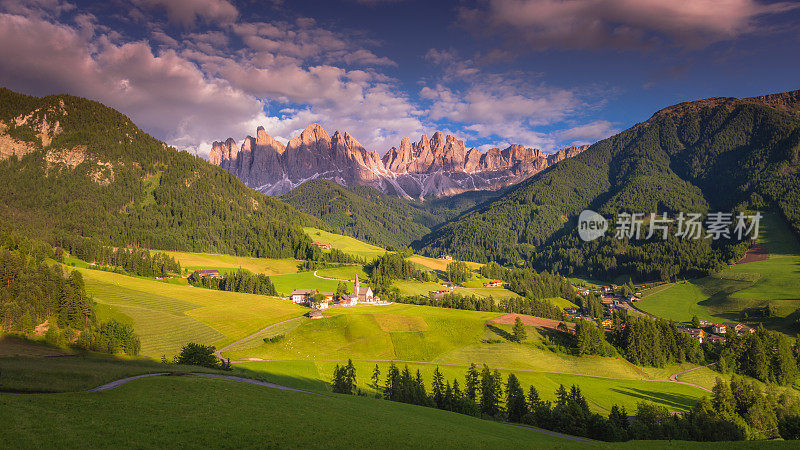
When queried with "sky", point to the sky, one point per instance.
{"points": [[541, 73]]}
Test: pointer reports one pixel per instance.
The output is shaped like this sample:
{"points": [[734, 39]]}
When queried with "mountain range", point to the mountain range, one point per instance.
{"points": [[441, 165], [717, 154]]}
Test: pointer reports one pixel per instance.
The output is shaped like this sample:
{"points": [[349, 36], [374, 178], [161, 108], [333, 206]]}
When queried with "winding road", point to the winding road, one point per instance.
{"points": [[117, 383]]}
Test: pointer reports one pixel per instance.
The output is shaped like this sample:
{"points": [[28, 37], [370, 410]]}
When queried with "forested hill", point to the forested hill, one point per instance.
{"points": [[368, 214], [71, 166], [715, 154]]}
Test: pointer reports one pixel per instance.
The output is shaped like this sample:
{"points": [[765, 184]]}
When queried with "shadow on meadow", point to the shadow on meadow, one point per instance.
{"points": [[670, 400]]}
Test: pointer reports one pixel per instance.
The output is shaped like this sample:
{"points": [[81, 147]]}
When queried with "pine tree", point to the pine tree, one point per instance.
{"points": [[438, 388], [519, 330], [376, 375], [516, 408], [472, 384], [722, 399]]}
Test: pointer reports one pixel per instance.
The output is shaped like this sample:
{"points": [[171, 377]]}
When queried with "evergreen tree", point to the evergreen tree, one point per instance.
{"points": [[472, 382], [519, 330], [438, 388], [376, 375], [516, 408]]}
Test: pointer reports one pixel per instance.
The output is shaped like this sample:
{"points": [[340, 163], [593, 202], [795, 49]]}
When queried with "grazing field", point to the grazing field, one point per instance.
{"points": [[167, 316], [285, 284], [229, 263], [439, 264], [360, 332], [602, 393], [495, 292], [411, 287], [770, 282], [347, 272], [346, 244], [32, 366], [242, 416]]}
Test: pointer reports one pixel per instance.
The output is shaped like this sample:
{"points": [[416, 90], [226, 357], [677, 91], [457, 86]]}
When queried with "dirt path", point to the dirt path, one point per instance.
{"points": [[218, 353], [674, 377], [326, 278]]}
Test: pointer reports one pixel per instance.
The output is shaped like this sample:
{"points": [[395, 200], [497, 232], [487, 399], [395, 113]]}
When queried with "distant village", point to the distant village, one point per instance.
{"points": [[611, 299]]}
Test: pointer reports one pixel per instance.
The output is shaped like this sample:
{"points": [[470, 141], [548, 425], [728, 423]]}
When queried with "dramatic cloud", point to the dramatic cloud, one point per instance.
{"points": [[588, 133], [541, 24], [187, 12], [499, 106]]}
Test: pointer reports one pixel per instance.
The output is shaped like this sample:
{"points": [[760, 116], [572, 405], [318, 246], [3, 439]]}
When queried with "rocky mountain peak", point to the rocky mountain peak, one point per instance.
{"points": [[439, 166]]}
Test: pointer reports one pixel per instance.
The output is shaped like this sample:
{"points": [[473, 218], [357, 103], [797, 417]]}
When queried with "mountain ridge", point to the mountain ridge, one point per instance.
{"points": [[437, 166]]}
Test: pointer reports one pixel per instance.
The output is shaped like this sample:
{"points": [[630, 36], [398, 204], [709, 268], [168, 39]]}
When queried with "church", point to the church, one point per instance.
{"points": [[361, 294]]}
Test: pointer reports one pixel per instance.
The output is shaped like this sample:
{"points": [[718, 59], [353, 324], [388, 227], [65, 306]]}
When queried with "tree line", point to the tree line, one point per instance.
{"points": [[240, 281], [32, 292], [136, 261], [737, 411]]}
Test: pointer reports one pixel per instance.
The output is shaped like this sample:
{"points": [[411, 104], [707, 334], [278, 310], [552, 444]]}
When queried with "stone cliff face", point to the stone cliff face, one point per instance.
{"points": [[439, 166]]}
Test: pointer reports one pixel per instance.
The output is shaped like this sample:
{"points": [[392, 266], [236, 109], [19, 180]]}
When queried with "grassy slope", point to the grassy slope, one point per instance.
{"points": [[167, 316], [722, 296], [602, 393], [242, 415], [346, 244], [226, 263]]}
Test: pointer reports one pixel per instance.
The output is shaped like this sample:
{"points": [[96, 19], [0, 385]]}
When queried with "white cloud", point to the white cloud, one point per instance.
{"points": [[187, 12], [541, 24], [163, 93], [588, 133]]}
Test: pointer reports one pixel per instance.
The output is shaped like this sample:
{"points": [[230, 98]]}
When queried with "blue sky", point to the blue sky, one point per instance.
{"points": [[542, 73]]}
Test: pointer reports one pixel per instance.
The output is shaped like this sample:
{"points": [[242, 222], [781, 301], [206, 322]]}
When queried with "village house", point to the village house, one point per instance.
{"points": [[448, 284], [695, 333], [302, 295], [606, 323], [582, 290], [209, 273], [322, 245], [438, 295], [719, 328], [739, 328], [446, 257], [493, 283], [703, 322], [571, 310]]}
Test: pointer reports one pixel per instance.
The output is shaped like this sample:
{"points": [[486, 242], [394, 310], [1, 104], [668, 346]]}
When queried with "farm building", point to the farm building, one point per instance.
{"points": [[322, 245], [446, 257], [302, 295], [493, 283], [209, 273], [315, 314]]}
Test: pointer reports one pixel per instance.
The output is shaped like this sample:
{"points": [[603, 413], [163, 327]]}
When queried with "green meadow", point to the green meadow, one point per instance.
{"points": [[722, 296], [221, 413], [346, 244], [229, 263], [167, 316], [602, 393], [285, 284]]}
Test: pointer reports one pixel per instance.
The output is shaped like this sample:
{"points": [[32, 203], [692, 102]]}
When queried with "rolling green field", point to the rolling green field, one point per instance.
{"points": [[724, 295], [347, 272], [241, 416], [439, 264], [285, 284], [346, 244], [167, 316], [228, 263], [602, 393]]}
